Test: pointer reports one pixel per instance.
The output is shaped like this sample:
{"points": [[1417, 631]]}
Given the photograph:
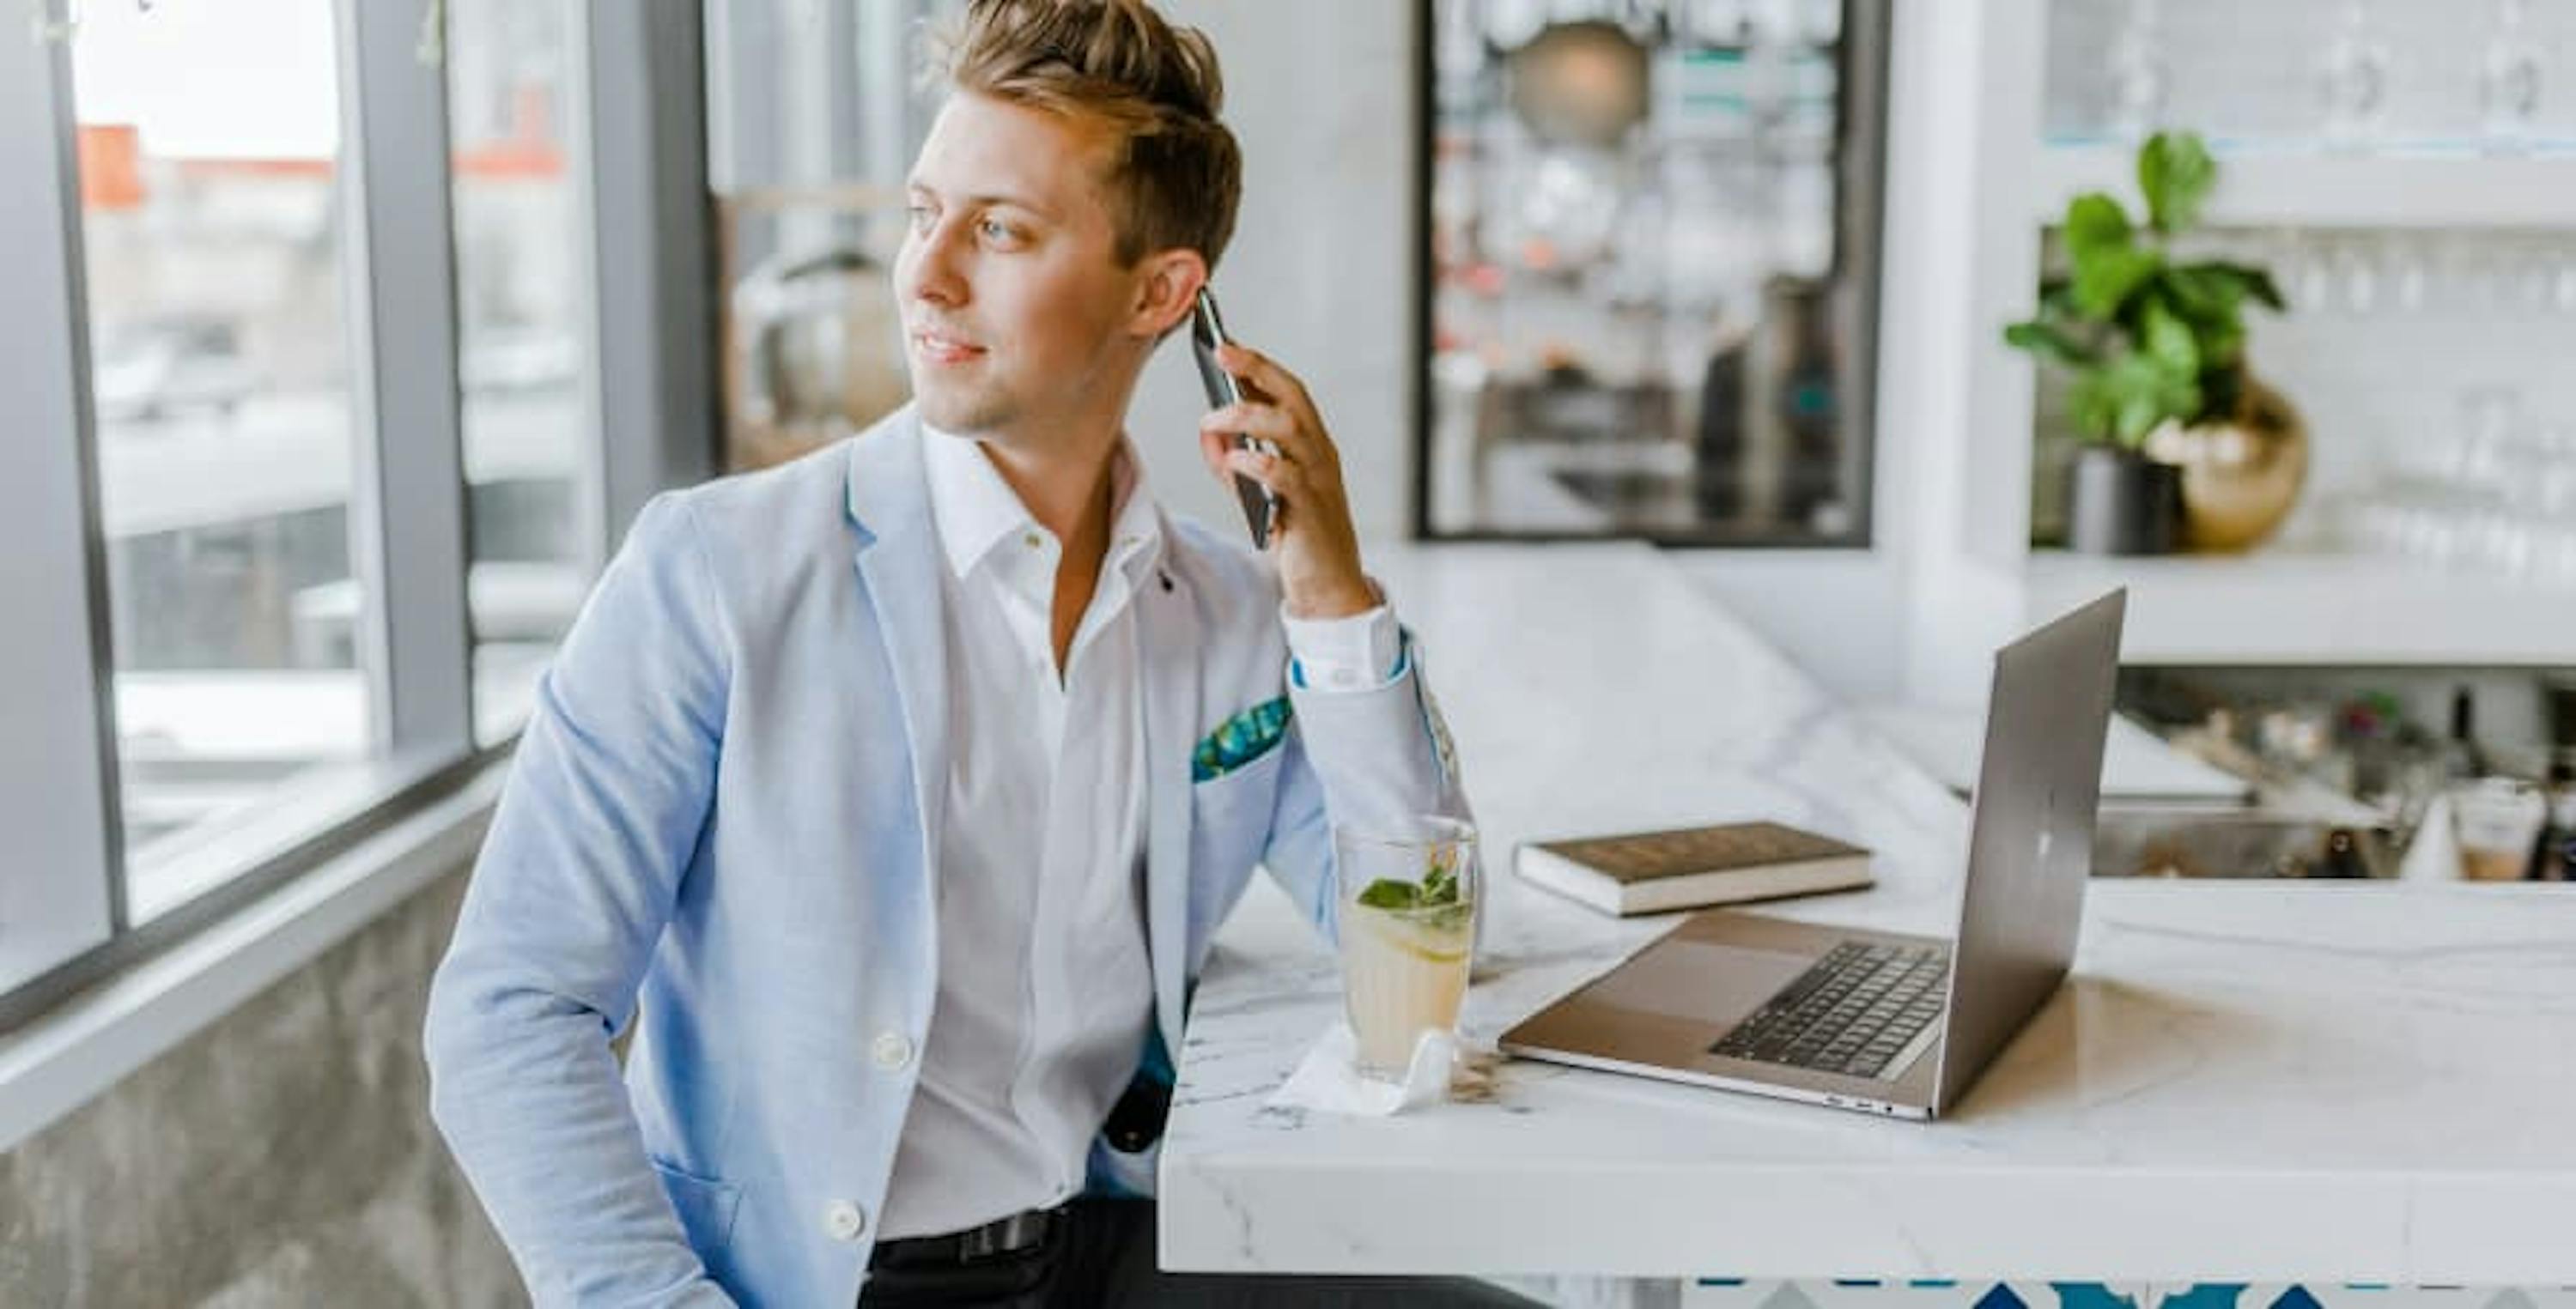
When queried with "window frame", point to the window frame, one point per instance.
{"points": [[53, 572], [399, 270]]}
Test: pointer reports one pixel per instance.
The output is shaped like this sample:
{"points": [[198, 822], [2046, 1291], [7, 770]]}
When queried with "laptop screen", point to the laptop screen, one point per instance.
{"points": [[2030, 841]]}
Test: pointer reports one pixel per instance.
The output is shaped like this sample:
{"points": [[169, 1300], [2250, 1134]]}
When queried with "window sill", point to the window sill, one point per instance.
{"points": [[85, 1045]]}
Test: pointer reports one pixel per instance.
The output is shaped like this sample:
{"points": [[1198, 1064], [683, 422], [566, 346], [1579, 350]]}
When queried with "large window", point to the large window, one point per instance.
{"points": [[210, 204], [318, 315]]}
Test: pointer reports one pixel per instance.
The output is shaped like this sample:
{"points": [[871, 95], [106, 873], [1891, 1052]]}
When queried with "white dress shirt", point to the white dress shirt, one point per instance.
{"points": [[1045, 989]]}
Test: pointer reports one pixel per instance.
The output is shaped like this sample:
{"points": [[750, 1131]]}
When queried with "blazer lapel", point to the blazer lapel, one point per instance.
{"points": [[1168, 632], [898, 558]]}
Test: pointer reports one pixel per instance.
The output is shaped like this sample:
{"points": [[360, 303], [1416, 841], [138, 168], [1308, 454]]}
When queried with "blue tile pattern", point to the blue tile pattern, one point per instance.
{"points": [[1982, 1293]]}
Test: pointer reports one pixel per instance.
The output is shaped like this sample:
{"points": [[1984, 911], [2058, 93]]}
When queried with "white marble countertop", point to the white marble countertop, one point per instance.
{"points": [[2247, 1081]]}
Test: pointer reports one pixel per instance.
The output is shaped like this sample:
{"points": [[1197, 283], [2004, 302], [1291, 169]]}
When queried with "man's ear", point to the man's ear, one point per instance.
{"points": [[1167, 281]]}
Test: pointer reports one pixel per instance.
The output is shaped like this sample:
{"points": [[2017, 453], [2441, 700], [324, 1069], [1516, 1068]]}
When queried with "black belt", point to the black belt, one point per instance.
{"points": [[1021, 1232]]}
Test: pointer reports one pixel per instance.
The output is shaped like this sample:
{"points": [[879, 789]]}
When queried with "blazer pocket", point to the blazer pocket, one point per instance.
{"points": [[1252, 777], [1238, 741], [706, 1207], [1230, 815]]}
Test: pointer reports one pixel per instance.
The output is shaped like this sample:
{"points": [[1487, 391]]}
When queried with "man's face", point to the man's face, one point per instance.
{"points": [[1017, 317]]}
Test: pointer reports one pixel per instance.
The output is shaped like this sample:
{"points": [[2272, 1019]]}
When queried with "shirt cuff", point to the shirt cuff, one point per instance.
{"points": [[1358, 653]]}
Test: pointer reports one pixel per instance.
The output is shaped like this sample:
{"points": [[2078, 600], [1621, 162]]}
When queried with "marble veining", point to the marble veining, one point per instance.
{"points": [[2247, 1080]]}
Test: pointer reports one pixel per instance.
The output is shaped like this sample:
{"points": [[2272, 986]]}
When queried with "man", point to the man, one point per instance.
{"points": [[895, 794]]}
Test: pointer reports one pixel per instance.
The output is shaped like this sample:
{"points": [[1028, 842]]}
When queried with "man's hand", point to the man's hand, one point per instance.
{"points": [[1317, 548]]}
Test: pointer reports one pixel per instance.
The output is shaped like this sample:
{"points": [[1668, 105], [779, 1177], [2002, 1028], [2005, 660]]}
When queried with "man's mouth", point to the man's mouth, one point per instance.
{"points": [[940, 348]]}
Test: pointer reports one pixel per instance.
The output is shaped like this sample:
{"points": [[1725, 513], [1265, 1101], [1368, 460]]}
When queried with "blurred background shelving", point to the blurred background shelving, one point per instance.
{"points": [[2322, 190], [2407, 172]]}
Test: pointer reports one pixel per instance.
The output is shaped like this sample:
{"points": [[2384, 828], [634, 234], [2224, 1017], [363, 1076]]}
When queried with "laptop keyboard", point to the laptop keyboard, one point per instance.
{"points": [[1851, 1013]]}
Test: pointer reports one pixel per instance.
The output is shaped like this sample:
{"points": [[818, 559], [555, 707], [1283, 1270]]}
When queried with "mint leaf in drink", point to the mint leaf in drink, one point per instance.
{"points": [[1439, 882], [1388, 893]]}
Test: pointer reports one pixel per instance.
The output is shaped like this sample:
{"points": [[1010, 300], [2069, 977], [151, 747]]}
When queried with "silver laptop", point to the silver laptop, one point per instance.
{"points": [[1878, 1021]]}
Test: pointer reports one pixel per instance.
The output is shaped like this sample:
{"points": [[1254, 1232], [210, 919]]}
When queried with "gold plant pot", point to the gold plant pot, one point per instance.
{"points": [[2241, 477]]}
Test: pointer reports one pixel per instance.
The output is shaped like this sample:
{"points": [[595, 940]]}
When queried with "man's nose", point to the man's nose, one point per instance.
{"points": [[931, 273]]}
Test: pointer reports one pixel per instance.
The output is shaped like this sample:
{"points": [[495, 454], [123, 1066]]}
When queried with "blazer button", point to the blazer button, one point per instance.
{"points": [[891, 1050], [843, 1221]]}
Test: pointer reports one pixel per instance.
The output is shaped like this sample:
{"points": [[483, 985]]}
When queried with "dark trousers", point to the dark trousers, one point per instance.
{"points": [[1104, 1256]]}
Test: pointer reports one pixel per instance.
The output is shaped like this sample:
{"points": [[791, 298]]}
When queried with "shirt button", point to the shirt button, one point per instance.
{"points": [[844, 1220], [892, 1050], [1030, 539]]}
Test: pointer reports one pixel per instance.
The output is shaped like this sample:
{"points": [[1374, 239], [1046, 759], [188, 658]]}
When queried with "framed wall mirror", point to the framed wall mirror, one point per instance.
{"points": [[1649, 276]]}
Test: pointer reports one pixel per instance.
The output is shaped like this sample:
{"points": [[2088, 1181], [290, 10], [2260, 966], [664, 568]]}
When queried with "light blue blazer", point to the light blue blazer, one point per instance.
{"points": [[722, 821]]}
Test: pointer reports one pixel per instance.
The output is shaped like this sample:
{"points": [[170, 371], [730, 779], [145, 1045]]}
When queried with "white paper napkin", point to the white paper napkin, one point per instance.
{"points": [[1328, 1078]]}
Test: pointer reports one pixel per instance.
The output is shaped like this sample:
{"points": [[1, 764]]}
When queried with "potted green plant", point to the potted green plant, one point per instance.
{"points": [[2178, 438]]}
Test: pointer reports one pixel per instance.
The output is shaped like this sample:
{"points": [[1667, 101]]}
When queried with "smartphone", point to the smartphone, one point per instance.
{"points": [[1207, 332]]}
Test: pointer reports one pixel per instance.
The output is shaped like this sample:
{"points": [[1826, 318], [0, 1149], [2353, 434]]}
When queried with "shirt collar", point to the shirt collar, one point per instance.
{"points": [[976, 511]]}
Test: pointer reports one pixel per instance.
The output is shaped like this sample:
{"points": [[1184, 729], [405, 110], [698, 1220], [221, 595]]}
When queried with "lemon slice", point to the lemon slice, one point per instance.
{"points": [[1443, 944]]}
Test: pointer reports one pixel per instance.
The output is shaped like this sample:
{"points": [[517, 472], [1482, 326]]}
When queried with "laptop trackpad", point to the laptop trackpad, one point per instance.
{"points": [[1698, 981]]}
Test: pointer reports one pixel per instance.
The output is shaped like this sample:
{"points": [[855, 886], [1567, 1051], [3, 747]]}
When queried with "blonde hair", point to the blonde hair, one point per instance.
{"points": [[1176, 174]]}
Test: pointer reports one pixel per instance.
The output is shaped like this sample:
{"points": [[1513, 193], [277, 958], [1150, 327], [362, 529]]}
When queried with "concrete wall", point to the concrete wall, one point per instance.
{"points": [[283, 1156]]}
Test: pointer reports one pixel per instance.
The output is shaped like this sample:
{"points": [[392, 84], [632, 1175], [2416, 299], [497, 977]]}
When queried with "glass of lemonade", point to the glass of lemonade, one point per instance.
{"points": [[1408, 925]]}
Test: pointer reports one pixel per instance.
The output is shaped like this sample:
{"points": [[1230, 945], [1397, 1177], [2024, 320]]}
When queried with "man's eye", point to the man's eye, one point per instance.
{"points": [[995, 229], [919, 215]]}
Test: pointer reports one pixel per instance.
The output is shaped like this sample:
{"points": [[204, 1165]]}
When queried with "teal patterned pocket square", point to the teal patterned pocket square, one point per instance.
{"points": [[1240, 740]]}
